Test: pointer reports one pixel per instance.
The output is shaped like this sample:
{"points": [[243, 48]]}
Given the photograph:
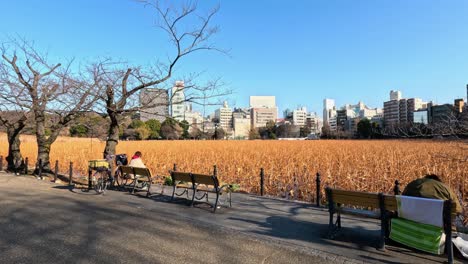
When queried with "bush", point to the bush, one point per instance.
{"points": [[168, 181]]}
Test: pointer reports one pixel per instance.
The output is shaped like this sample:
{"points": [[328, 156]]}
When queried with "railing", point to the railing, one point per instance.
{"points": [[317, 200]]}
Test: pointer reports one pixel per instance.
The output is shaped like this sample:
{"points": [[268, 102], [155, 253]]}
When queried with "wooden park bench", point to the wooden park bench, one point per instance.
{"points": [[140, 176], [377, 206], [200, 185]]}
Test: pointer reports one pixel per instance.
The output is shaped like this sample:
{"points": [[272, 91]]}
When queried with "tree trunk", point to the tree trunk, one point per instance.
{"points": [[112, 135], [14, 158], [43, 145]]}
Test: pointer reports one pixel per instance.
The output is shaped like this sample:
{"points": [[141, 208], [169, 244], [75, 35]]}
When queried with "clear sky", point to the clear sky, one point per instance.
{"points": [[299, 51]]}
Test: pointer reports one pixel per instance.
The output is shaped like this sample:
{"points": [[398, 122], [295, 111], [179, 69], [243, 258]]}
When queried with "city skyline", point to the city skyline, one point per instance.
{"points": [[315, 49]]}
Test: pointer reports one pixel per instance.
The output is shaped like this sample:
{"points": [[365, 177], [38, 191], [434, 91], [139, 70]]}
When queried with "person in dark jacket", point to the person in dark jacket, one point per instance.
{"points": [[431, 186]]}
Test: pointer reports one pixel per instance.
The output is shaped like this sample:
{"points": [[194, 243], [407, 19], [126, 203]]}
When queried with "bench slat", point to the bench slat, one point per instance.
{"points": [[126, 169], [355, 193], [204, 179], [181, 176], [365, 201], [390, 203], [145, 172]]}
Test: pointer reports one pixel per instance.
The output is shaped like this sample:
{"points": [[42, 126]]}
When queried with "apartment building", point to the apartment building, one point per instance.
{"points": [[177, 101], [224, 117], [154, 104], [400, 110], [299, 116]]}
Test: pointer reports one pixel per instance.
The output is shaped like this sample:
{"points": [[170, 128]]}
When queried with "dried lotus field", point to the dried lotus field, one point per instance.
{"points": [[290, 166]]}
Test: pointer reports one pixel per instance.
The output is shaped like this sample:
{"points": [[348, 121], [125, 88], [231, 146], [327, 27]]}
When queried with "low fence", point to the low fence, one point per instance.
{"points": [[266, 185]]}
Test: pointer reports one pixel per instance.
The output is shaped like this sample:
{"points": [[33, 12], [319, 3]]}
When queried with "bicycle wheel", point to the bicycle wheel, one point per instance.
{"points": [[100, 185], [122, 180]]}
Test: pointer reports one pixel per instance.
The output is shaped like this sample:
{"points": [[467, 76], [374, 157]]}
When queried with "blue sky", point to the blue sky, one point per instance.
{"points": [[299, 51]]}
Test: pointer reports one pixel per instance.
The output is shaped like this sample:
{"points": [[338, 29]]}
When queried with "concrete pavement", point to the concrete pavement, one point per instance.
{"points": [[41, 222]]}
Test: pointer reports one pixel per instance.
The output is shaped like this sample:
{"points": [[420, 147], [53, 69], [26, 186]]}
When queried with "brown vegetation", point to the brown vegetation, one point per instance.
{"points": [[290, 167]]}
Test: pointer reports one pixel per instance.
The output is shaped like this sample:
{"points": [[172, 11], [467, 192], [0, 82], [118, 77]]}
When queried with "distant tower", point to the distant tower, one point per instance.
{"points": [[395, 95]]}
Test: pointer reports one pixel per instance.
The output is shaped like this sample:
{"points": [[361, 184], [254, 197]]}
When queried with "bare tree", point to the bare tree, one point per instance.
{"points": [[52, 92], [188, 33], [15, 122], [12, 115]]}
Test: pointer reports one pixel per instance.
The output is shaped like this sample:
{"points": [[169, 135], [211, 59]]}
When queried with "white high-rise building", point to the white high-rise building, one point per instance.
{"points": [[195, 119], [329, 114], [395, 95], [314, 123], [224, 116], [300, 116], [178, 101]]}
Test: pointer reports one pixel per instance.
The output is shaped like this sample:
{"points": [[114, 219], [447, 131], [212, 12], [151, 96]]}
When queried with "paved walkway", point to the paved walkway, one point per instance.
{"points": [[42, 222]]}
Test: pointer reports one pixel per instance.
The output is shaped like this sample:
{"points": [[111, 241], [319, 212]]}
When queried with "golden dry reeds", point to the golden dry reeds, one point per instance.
{"points": [[290, 166]]}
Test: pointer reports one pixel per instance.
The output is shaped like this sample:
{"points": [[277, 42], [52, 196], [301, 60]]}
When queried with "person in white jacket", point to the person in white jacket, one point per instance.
{"points": [[137, 161]]}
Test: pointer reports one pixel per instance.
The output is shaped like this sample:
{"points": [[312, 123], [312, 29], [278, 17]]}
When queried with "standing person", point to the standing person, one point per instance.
{"points": [[137, 161], [431, 186]]}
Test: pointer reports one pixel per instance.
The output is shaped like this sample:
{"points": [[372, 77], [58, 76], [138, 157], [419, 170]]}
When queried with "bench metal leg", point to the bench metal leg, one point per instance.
{"points": [[194, 190], [383, 222], [338, 220], [148, 193], [447, 216], [331, 211], [134, 185], [216, 202]]}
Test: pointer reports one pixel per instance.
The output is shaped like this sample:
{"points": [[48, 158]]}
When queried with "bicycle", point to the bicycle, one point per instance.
{"points": [[120, 179], [101, 179]]}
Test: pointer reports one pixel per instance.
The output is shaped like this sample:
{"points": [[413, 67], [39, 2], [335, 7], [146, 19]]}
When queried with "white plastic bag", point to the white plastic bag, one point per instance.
{"points": [[461, 242]]}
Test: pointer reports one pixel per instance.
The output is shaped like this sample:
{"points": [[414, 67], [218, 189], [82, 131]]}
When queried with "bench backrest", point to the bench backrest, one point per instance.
{"points": [[366, 199], [145, 172], [355, 198], [181, 176], [390, 203], [205, 179], [126, 169]]}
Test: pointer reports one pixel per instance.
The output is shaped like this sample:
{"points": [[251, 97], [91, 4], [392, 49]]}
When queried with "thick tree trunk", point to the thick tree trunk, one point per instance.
{"points": [[43, 144], [112, 135], [14, 158]]}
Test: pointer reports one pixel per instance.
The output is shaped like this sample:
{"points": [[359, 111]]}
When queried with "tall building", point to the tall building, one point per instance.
{"points": [[261, 116], [195, 119], [349, 115], [154, 103], [178, 101], [313, 122], [341, 118], [441, 114], [224, 116], [414, 104], [299, 116], [241, 123], [329, 114], [395, 95], [262, 110], [262, 101], [400, 110]]}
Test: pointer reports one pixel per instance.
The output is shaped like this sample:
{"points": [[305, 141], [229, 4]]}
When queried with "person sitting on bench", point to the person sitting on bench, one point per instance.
{"points": [[137, 161], [431, 186]]}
